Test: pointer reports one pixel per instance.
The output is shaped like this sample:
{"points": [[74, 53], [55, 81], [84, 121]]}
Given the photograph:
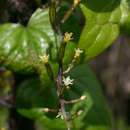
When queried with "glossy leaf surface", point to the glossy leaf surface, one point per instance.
{"points": [[103, 22], [21, 46]]}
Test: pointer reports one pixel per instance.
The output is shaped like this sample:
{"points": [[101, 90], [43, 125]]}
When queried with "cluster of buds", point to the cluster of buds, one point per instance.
{"points": [[67, 37], [78, 53], [44, 58], [68, 81]]}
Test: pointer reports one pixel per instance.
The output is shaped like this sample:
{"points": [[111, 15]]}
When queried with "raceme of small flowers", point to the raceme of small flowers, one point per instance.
{"points": [[67, 81]]}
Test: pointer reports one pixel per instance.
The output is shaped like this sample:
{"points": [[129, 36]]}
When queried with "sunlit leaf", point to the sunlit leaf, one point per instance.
{"points": [[103, 22], [21, 46]]}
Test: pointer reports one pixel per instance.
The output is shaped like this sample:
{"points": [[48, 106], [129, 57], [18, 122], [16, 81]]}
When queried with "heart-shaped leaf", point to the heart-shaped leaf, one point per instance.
{"points": [[21, 46]]}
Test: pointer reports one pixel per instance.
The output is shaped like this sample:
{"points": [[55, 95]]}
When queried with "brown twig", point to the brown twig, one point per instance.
{"points": [[69, 12]]}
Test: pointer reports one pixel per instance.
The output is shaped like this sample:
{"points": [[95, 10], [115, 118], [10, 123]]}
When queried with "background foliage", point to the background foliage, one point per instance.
{"points": [[26, 33]]}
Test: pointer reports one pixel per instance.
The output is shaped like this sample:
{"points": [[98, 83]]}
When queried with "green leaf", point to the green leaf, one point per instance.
{"points": [[95, 110], [32, 97], [125, 28], [21, 46], [102, 26], [40, 117], [32, 94], [125, 25]]}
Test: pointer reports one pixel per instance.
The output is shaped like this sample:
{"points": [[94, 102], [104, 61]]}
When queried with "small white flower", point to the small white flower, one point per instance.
{"points": [[77, 53], [44, 58], [67, 81]]}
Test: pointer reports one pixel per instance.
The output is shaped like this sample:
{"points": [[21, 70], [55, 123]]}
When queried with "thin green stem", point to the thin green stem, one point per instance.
{"points": [[66, 115], [61, 52]]}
